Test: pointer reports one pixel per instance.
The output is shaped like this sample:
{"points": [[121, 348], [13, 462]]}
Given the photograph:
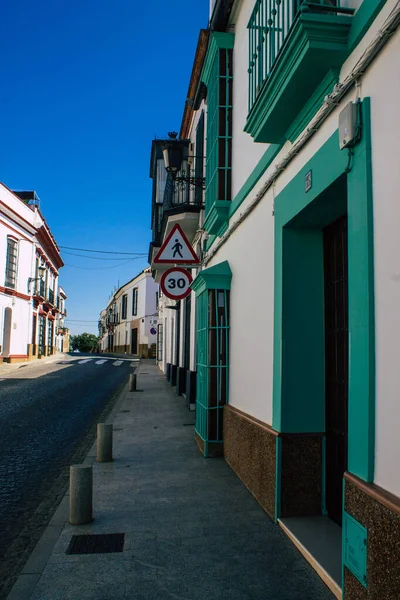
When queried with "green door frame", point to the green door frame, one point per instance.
{"points": [[217, 277], [298, 388]]}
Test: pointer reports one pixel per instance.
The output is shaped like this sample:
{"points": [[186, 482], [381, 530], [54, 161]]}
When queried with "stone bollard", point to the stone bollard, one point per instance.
{"points": [[132, 383], [104, 442], [81, 494]]}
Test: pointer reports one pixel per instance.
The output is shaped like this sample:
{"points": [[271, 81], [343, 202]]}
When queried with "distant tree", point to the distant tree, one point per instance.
{"points": [[85, 342]]}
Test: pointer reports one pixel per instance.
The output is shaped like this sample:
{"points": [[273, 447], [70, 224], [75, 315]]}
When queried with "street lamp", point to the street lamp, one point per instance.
{"points": [[172, 150]]}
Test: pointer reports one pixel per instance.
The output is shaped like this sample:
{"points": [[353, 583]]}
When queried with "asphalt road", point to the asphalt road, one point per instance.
{"points": [[47, 411]]}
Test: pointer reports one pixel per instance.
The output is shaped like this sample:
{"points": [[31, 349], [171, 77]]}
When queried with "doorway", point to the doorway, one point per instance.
{"points": [[7, 331], [336, 362], [42, 336], [134, 340]]}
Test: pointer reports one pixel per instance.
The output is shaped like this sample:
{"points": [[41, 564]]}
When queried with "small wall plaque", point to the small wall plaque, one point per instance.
{"points": [[355, 547], [308, 181]]}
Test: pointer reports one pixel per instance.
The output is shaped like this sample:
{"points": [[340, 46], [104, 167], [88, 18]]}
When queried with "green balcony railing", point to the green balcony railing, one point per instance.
{"points": [[269, 26]]}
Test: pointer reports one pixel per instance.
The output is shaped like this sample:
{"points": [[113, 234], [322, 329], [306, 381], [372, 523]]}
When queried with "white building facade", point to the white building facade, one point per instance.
{"points": [[128, 325], [297, 294], [30, 260]]}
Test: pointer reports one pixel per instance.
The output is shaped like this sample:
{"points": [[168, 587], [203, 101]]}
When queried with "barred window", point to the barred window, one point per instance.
{"points": [[11, 263], [124, 305], [135, 294]]}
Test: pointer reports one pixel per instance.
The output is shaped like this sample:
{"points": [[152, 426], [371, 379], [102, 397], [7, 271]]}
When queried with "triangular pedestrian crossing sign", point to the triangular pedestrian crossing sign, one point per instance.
{"points": [[176, 249]]}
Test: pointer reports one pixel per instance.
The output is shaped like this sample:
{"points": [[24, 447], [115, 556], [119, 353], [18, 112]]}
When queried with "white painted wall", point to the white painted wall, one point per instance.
{"points": [[249, 250], [250, 254], [383, 85], [16, 220], [245, 153], [146, 310]]}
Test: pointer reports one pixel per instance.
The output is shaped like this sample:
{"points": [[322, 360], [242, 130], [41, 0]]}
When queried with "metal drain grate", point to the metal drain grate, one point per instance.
{"points": [[96, 544], [124, 411]]}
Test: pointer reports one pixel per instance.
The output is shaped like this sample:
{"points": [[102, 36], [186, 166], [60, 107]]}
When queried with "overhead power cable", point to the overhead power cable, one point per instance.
{"points": [[97, 251], [126, 261], [100, 257], [104, 251]]}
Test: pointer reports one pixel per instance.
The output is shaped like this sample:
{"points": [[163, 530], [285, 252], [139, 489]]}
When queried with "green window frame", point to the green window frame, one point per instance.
{"points": [[218, 77], [11, 263], [212, 288]]}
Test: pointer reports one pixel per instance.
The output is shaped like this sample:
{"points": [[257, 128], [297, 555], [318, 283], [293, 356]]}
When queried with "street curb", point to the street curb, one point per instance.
{"points": [[29, 577]]}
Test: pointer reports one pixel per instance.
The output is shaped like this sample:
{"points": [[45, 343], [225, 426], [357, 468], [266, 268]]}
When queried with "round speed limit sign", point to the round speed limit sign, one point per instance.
{"points": [[175, 283]]}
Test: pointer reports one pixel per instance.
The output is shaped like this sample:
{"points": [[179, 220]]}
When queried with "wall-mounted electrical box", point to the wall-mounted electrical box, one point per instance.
{"points": [[348, 125]]}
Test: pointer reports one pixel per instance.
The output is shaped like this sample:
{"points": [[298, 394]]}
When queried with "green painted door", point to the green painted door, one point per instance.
{"points": [[212, 364]]}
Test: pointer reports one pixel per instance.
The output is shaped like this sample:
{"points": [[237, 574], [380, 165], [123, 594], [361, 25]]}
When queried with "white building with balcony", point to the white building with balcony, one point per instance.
{"points": [[128, 325], [295, 342], [30, 261]]}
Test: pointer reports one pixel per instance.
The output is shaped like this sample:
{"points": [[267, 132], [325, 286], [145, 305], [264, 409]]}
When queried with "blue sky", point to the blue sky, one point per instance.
{"points": [[85, 88]]}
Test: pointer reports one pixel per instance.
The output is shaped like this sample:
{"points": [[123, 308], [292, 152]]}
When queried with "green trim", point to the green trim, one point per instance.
{"points": [[313, 105], [363, 19], [210, 241], [362, 308], [254, 177], [218, 277], [217, 41], [298, 388], [315, 44], [217, 216], [355, 548]]}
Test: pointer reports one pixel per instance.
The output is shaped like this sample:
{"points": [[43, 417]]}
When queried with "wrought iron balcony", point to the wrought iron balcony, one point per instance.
{"points": [[40, 289], [50, 296], [180, 195], [269, 26]]}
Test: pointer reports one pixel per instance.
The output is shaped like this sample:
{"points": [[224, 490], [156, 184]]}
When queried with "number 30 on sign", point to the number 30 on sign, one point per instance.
{"points": [[175, 283]]}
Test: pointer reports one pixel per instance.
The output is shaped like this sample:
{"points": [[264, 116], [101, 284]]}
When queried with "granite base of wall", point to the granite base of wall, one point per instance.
{"points": [[250, 451], [32, 351], [379, 512], [199, 442], [16, 358], [301, 472], [209, 449]]}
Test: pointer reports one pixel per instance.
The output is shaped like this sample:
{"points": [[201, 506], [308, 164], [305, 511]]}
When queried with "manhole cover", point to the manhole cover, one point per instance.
{"points": [[124, 411], [96, 544]]}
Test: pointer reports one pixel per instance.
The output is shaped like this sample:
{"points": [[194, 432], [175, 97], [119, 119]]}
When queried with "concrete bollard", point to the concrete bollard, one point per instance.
{"points": [[104, 442], [81, 494], [132, 383]]}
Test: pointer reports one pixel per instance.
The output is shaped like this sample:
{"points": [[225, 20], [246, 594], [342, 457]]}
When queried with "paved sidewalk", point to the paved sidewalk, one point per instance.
{"points": [[9, 368], [192, 530]]}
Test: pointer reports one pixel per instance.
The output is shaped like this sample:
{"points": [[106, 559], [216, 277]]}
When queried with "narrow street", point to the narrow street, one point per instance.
{"points": [[47, 415]]}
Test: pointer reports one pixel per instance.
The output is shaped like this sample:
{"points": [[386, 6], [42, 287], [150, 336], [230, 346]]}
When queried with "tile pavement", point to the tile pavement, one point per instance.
{"points": [[192, 530]]}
